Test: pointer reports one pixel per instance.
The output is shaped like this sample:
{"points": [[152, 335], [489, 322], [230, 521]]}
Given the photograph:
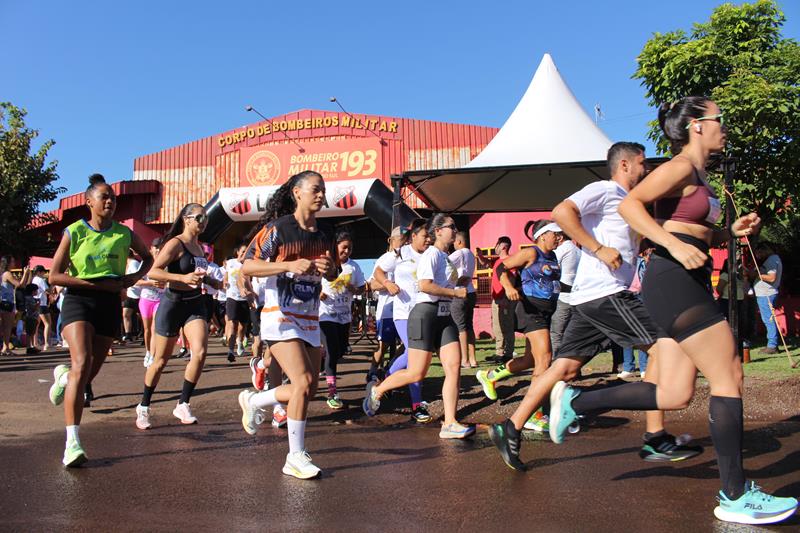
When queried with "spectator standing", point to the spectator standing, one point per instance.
{"points": [[502, 307], [463, 310], [768, 279]]}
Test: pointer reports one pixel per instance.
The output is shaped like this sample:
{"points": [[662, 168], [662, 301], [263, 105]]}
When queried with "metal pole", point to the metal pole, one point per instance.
{"points": [[397, 182], [729, 167]]}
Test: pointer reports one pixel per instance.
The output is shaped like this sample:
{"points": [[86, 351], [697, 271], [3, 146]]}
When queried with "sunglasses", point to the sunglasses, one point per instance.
{"points": [[718, 118], [450, 226], [199, 217]]}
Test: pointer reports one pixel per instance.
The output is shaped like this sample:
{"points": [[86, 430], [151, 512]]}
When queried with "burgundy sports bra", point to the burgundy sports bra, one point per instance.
{"points": [[700, 207]]}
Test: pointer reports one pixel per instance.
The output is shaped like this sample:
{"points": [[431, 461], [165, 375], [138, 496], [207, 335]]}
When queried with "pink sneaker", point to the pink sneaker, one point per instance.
{"points": [[279, 416], [259, 374], [142, 417], [184, 413]]}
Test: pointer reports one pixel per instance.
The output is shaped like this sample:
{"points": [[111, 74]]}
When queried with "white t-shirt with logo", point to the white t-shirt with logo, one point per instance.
{"points": [[41, 283], [233, 269], [385, 306], [403, 268], [338, 306], [435, 265], [568, 255], [598, 205], [134, 291], [464, 261]]}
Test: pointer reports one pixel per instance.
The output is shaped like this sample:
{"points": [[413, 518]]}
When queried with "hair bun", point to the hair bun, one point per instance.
{"points": [[95, 179]]}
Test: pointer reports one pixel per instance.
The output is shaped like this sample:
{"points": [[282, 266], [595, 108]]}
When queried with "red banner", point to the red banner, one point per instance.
{"points": [[335, 160]]}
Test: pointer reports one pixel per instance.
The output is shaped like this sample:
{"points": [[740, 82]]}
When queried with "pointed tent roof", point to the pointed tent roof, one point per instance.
{"points": [[547, 126], [547, 149]]}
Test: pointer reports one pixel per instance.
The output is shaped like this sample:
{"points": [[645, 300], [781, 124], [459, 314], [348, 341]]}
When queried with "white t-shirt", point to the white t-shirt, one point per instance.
{"points": [[215, 272], [598, 203], [43, 286], [150, 293], [435, 265], [233, 269], [403, 269], [259, 287], [772, 265], [568, 256], [221, 295], [338, 306], [464, 261], [133, 266], [385, 306]]}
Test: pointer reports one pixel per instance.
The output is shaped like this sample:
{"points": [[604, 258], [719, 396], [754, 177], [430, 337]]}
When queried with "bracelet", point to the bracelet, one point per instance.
{"points": [[598, 249]]}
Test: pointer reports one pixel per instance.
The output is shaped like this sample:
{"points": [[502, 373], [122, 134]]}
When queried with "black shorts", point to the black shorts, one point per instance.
{"points": [[211, 306], [620, 318], [131, 303], [533, 314], [176, 310], [44, 310], [335, 338], [101, 309], [237, 310], [463, 312], [680, 301], [255, 320], [219, 311], [7, 307], [427, 330]]}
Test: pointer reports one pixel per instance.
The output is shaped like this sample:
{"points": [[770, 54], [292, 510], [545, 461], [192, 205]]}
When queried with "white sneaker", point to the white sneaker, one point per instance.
{"points": [[299, 465], [142, 417], [239, 350], [183, 413], [249, 421], [279, 416], [148, 359], [625, 374], [642, 376]]}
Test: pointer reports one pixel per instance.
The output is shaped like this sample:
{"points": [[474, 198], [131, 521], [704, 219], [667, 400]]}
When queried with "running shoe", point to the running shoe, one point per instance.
{"points": [[562, 416], [259, 375], [148, 360], [88, 395], [279, 416], [334, 402], [74, 455], [244, 343], [625, 374], [239, 350], [456, 431], [183, 352], [248, 413], [421, 414], [299, 465], [487, 384], [665, 448], [223, 340], [507, 441], [538, 422], [142, 417], [261, 416], [231, 356], [371, 402], [754, 507], [183, 413], [57, 390]]}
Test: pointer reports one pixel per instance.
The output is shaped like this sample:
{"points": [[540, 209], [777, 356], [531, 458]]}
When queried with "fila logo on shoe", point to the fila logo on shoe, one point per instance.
{"points": [[753, 507]]}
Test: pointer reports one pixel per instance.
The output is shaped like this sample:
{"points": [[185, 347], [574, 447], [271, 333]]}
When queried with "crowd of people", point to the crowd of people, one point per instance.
{"points": [[586, 282]]}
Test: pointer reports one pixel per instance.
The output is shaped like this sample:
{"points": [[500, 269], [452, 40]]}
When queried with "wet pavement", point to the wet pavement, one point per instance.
{"points": [[378, 474]]}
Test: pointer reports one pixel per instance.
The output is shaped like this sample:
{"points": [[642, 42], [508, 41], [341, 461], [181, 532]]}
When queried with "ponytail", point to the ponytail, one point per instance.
{"points": [[178, 225]]}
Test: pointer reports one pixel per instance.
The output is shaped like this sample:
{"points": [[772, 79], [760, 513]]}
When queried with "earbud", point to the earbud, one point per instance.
{"points": [[697, 128]]}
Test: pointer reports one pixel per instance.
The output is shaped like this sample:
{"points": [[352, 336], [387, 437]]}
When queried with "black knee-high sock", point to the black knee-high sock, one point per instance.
{"points": [[187, 390], [148, 393], [639, 396], [727, 427]]}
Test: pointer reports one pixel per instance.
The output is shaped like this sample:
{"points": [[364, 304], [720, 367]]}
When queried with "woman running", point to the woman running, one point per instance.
{"points": [[539, 275], [182, 265], [431, 329], [8, 301], [149, 298], [294, 253], [95, 251], [677, 293], [401, 265], [336, 312]]}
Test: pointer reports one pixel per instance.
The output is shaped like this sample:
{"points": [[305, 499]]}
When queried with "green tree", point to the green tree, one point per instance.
{"points": [[740, 59], [26, 180]]}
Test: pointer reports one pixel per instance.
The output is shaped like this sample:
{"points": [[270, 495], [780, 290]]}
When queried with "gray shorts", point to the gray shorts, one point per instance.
{"points": [[427, 330], [463, 311]]}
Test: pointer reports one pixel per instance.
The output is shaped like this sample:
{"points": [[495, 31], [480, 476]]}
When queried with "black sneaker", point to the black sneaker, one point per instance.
{"points": [[663, 447], [185, 354], [231, 356], [503, 437], [421, 414]]}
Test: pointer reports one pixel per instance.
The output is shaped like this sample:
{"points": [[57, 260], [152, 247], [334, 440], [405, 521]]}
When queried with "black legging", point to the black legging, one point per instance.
{"points": [[335, 339]]}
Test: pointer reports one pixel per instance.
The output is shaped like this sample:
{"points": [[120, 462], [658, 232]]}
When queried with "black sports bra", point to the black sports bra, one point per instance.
{"points": [[186, 264]]}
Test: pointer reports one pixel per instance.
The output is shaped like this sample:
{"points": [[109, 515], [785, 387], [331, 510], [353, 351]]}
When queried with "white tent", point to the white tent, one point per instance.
{"points": [[547, 149]]}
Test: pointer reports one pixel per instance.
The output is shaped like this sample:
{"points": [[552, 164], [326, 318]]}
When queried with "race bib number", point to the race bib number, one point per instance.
{"points": [[443, 309], [200, 263], [714, 210]]}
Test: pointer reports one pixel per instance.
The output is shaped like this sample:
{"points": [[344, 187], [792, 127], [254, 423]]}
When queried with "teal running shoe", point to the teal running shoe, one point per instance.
{"points": [[74, 455], [57, 390], [562, 416], [754, 507]]}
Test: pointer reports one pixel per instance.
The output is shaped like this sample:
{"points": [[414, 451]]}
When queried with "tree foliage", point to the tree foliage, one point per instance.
{"points": [[26, 180], [740, 59]]}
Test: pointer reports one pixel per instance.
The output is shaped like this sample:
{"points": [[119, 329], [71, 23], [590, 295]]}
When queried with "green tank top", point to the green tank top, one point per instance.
{"points": [[98, 254]]}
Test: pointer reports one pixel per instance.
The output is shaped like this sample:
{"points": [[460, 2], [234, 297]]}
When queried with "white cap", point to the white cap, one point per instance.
{"points": [[549, 227]]}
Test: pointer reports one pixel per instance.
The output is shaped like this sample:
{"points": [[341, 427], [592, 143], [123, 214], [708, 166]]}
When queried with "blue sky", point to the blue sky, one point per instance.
{"points": [[110, 81]]}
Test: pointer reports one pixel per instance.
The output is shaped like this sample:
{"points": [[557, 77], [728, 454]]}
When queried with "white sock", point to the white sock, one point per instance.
{"points": [[63, 380], [260, 364], [297, 435], [72, 434], [263, 399]]}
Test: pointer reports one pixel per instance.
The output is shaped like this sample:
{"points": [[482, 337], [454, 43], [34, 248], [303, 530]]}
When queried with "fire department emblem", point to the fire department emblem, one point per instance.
{"points": [[240, 203], [263, 168], [345, 197]]}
